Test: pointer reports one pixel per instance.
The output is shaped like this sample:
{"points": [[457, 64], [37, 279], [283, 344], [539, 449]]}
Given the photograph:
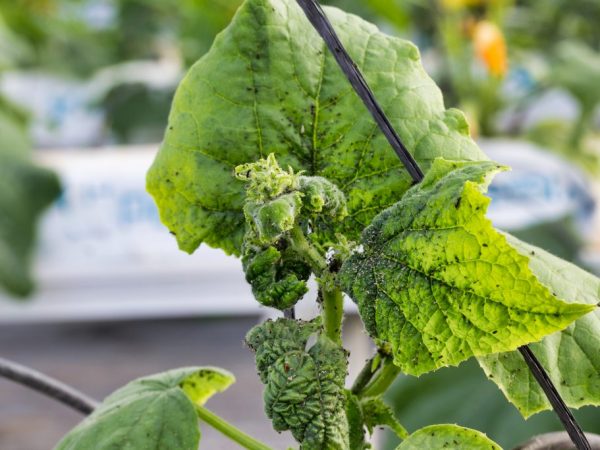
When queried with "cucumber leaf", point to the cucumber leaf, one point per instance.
{"points": [[304, 390], [440, 284], [152, 412], [277, 201], [570, 357], [377, 413], [450, 437], [25, 191], [356, 422], [269, 85], [366, 414]]}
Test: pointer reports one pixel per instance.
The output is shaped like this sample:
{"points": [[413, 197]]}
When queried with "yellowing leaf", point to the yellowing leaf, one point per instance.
{"points": [[304, 388], [440, 284], [570, 357]]}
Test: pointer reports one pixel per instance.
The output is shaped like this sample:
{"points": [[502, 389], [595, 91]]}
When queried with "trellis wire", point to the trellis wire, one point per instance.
{"points": [[44, 384], [319, 21]]}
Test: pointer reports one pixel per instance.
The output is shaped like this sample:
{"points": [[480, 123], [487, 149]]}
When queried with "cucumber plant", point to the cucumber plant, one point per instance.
{"points": [[270, 156]]}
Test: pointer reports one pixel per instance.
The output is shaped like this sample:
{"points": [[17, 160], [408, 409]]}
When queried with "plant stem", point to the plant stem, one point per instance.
{"points": [[365, 375], [229, 430], [47, 386], [383, 380], [333, 299], [313, 258], [333, 312], [579, 128]]}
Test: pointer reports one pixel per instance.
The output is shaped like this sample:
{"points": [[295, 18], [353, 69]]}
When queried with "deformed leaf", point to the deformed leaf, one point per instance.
{"points": [[152, 412], [304, 390], [448, 437], [570, 357], [377, 413], [278, 277], [25, 191], [356, 422], [366, 414], [440, 284], [277, 202], [269, 85]]}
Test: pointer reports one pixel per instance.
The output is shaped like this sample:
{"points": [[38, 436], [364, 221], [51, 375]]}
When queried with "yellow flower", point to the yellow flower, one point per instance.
{"points": [[490, 47]]}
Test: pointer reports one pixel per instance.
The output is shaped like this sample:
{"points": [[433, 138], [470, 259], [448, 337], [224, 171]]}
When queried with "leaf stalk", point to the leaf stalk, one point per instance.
{"points": [[382, 380], [309, 253], [229, 430], [333, 313]]}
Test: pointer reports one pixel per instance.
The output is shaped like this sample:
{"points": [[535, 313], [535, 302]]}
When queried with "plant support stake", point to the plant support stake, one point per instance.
{"points": [[318, 19], [47, 386]]}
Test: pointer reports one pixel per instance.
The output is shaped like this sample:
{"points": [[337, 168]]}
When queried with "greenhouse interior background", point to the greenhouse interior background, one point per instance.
{"points": [[85, 91]]}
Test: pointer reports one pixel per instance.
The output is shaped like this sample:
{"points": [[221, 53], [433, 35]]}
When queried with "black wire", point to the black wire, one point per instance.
{"points": [[318, 19], [562, 411], [46, 385]]}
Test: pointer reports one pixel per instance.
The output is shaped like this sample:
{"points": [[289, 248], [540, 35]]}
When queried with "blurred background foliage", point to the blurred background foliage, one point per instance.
{"points": [[494, 59], [25, 189]]}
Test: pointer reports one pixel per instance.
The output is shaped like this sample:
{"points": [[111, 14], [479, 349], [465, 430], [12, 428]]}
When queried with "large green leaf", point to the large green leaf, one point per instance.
{"points": [[448, 437], [571, 357], [25, 190], [440, 284], [304, 390], [268, 85], [155, 412]]}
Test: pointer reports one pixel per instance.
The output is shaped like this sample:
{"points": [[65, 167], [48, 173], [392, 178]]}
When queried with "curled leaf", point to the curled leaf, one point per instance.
{"points": [[278, 278], [377, 413], [275, 217], [278, 202], [304, 390], [356, 423]]}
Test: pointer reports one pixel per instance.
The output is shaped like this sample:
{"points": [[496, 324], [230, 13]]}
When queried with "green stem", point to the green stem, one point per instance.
{"points": [[580, 127], [313, 258], [333, 312], [383, 380], [365, 375], [229, 430], [333, 299]]}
